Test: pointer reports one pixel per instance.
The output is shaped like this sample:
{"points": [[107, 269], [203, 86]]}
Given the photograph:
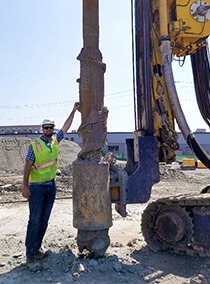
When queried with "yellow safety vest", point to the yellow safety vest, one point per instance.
{"points": [[46, 161]]}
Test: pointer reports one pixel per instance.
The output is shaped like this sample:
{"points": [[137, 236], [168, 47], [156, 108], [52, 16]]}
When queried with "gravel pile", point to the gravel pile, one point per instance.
{"points": [[13, 152]]}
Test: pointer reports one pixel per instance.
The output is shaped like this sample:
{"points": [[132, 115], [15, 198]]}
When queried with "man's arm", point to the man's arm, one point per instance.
{"points": [[68, 122], [25, 187]]}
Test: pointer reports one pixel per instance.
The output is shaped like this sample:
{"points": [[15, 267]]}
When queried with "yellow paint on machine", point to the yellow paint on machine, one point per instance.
{"points": [[188, 164], [200, 165]]}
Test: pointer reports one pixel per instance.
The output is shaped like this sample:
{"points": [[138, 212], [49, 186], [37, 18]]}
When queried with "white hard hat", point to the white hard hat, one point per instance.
{"points": [[48, 121]]}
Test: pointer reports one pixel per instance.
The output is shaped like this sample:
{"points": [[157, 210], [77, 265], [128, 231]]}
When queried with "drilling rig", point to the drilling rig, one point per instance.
{"points": [[163, 30]]}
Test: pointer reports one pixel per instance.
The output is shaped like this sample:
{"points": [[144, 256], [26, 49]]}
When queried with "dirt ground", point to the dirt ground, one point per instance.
{"points": [[128, 259]]}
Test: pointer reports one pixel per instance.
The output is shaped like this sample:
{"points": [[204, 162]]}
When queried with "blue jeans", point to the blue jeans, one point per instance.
{"points": [[40, 205]]}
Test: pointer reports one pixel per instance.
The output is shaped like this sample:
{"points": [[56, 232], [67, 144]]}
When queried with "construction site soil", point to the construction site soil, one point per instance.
{"points": [[128, 258]]}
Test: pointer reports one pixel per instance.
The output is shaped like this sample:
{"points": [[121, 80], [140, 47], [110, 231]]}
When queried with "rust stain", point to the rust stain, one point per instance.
{"points": [[86, 103], [89, 4], [115, 194], [91, 205]]}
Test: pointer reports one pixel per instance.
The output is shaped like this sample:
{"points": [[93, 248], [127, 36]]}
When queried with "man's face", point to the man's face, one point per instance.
{"points": [[48, 130]]}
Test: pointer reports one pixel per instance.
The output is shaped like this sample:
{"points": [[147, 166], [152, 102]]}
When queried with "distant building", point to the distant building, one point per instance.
{"points": [[20, 129], [200, 130], [116, 141]]}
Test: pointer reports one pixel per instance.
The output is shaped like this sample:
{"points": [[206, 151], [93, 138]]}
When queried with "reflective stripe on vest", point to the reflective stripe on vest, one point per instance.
{"points": [[45, 165], [38, 146]]}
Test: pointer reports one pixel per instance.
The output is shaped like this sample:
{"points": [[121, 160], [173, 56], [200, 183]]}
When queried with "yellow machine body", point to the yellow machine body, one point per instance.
{"points": [[188, 29]]}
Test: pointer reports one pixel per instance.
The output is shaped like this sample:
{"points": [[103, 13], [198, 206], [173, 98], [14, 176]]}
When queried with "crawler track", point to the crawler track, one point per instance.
{"points": [[179, 224]]}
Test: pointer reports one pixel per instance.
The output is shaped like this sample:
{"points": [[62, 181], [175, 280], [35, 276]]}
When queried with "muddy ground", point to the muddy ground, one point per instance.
{"points": [[128, 259]]}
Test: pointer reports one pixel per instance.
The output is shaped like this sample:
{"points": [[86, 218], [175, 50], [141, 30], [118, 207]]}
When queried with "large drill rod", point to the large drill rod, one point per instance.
{"points": [[91, 189]]}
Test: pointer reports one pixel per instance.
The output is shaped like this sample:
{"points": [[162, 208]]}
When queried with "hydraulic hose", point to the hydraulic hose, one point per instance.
{"points": [[201, 74], [165, 50]]}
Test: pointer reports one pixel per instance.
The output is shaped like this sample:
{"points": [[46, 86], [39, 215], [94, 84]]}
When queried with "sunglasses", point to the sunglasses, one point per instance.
{"points": [[48, 127]]}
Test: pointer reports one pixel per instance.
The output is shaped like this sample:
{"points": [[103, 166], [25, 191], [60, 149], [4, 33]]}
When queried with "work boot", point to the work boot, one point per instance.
{"points": [[41, 254], [32, 264], [29, 260]]}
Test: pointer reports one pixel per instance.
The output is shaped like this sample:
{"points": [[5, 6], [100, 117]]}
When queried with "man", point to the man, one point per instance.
{"points": [[39, 184]]}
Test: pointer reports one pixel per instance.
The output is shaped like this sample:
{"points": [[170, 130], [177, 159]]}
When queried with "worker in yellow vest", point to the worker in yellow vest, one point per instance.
{"points": [[39, 185]]}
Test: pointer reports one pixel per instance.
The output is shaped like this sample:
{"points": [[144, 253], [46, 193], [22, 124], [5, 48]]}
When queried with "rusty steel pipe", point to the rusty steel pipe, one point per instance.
{"points": [[91, 84], [91, 181], [91, 87], [90, 24]]}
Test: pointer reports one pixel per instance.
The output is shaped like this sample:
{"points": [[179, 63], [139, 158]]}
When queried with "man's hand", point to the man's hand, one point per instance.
{"points": [[69, 120], [76, 106], [26, 192], [25, 188]]}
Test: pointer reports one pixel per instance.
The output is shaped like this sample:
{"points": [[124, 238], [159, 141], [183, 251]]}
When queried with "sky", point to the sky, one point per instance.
{"points": [[40, 42]]}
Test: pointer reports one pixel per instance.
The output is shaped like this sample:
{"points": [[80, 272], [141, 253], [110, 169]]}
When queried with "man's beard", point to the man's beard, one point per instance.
{"points": [[48, 135]]}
